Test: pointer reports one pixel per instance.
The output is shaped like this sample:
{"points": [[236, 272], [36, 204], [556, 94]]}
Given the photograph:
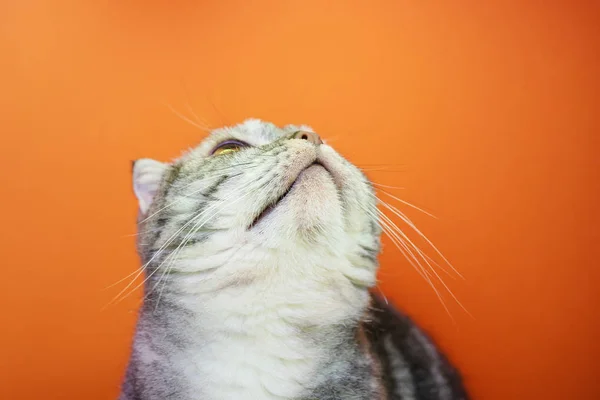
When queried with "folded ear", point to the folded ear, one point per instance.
{"points": [[147, 176]]}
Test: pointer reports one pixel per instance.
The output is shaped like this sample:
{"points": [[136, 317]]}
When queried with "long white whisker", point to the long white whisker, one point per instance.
{"points": [[398, 242], [218, 110], [404, 249], [156, 254], [198, 181], [379, 167], [121, 280], [198, 119], [186, 119], [386, 186], [424, 273], [188, 105], [163, 247], [141, 270], [407, 203], [407, 220], [194, 182], [428, 260], [139, 233], [186, 239], [375, 169], [428, 264], [383, 295], [406, 241]]}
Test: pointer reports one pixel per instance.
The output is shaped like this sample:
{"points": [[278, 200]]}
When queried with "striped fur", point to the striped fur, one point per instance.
{"points": [[413, 369], [258, 268]]}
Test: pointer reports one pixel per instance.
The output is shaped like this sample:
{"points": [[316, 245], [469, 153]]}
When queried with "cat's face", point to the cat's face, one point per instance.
{"points": [[251, 203]]}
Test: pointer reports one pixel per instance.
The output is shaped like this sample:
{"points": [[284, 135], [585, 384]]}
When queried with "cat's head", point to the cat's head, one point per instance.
{"points": [[257, 203]]}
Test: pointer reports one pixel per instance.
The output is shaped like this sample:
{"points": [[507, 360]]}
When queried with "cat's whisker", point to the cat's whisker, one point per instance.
{"points": [[419, 252], [160, 251], [155, 231], [143, 268], [188, 105], [199, 225], [399, 239], [380, 165], [252, 164], [120, 297], [200, 181], [412, 260], [376, 168], [383, 295], [198, 119], [188, 194], [388, 229], [194, 230], [398, 242], [222, 116], [140, 233], [174, 257], [409, 222], [370, 169], [189, 235], [422, 255], [121, 280], [387, 186], [426, 275], [186, 119], [406, 203], [179, 200], [386, 166], [164, 246]]}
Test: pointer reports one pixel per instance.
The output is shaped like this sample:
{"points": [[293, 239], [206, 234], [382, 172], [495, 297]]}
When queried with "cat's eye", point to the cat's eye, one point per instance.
{"points": [[228, 147]]}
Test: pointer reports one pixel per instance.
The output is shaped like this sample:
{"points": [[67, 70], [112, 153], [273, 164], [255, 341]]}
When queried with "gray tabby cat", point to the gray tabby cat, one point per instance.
{"points": [[259, 248]]}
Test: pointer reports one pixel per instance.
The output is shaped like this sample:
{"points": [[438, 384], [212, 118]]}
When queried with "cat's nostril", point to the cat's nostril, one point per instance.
{"points": [[310, 136]]}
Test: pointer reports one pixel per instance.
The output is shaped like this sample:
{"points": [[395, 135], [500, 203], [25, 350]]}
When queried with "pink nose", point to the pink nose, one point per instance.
{"points": [[310, 136]]}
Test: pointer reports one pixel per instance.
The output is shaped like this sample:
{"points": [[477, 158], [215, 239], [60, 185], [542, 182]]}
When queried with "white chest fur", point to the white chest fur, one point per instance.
{"points": [[253, 368], [261, 344]]}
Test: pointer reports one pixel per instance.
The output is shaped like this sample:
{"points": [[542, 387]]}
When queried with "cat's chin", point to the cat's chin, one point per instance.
{"points": [[310, 202]]}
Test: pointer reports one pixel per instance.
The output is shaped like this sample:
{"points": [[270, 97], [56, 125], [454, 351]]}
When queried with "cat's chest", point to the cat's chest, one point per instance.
{"points": [[253, 368], [266, 346]]}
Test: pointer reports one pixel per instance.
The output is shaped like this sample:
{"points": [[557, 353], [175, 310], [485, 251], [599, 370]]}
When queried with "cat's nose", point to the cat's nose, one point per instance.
{"points": [[310, 136]]}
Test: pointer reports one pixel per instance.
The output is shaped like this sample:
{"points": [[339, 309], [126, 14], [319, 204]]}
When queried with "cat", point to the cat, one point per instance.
{"points": [[260, 249]]}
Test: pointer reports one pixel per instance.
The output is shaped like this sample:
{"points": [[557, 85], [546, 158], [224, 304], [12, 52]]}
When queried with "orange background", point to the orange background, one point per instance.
{"points": [[485, 111]]}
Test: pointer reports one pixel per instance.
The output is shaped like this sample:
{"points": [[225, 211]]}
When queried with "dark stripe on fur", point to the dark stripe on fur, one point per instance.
{"points": [[401, 329]]}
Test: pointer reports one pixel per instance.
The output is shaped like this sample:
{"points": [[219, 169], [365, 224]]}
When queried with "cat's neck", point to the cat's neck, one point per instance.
{"points": [[256, 343]]}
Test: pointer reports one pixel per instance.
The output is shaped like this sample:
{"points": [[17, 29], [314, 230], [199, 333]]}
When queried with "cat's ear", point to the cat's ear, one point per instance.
{"points": [[147, 176]]}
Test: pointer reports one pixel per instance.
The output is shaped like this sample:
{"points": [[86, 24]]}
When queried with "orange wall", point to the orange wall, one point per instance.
{"points": [[486, 112]]}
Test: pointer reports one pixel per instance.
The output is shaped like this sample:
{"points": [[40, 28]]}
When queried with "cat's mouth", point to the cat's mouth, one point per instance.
{"points": [[271, 206]]}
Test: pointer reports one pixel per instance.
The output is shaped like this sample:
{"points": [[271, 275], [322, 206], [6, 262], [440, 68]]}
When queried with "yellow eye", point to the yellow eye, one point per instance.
{"points": [[228, 147], [226, 150]]}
